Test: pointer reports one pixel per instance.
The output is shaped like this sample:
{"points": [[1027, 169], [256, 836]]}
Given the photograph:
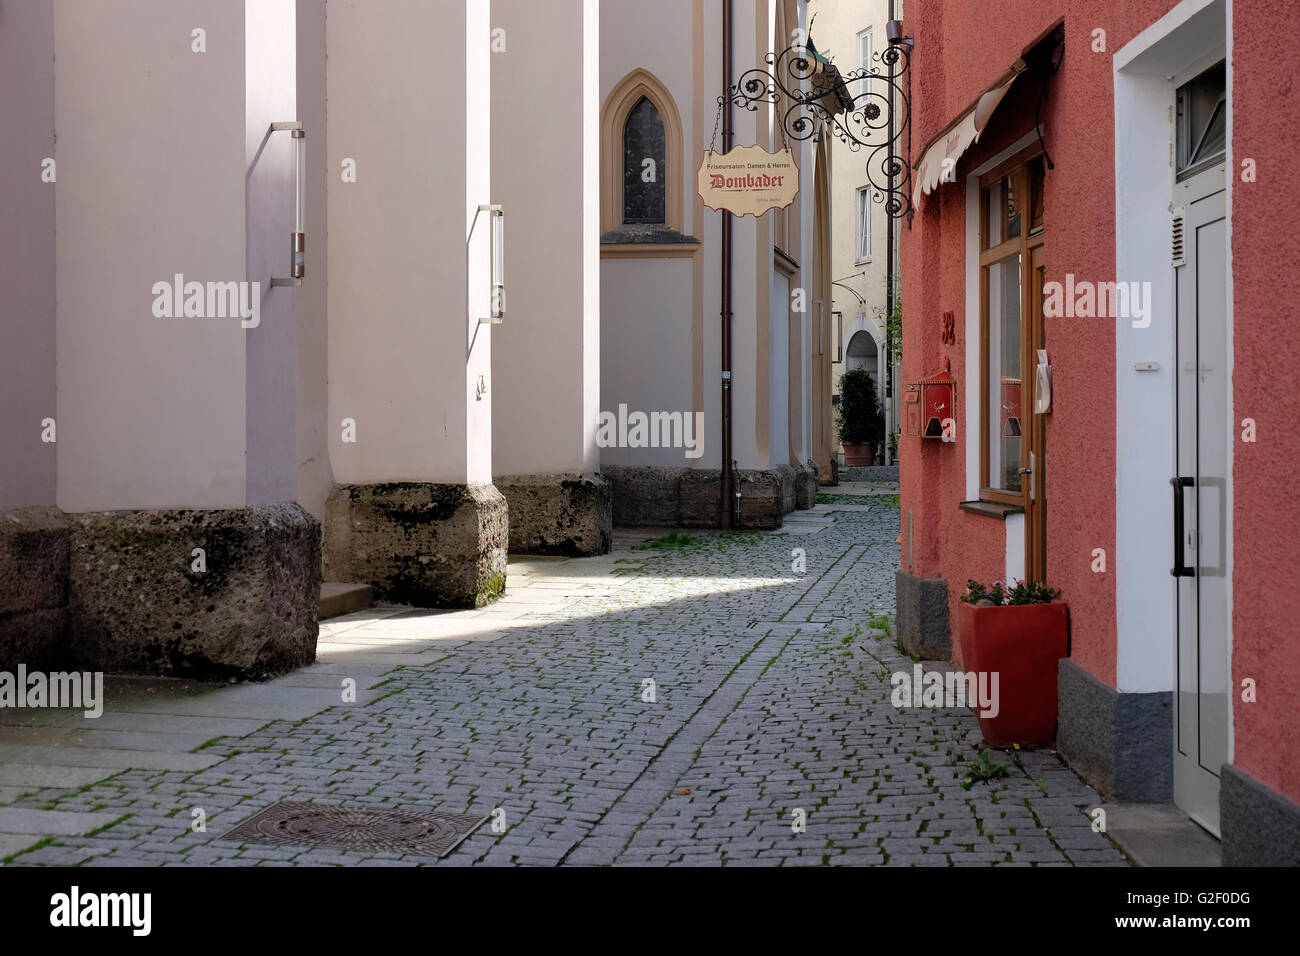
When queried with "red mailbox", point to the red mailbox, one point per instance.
{"points": [[931, 407]]}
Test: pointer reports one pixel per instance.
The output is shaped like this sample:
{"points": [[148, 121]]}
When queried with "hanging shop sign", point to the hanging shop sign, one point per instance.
{"points": [[748, 181]]}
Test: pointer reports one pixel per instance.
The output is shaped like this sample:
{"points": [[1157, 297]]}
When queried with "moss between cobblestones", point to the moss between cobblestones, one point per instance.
{"points": [[108, 826], [39, 845]]}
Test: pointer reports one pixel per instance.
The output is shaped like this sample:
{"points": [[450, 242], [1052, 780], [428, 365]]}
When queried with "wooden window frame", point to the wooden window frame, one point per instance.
{"points": [[1017, 167]]}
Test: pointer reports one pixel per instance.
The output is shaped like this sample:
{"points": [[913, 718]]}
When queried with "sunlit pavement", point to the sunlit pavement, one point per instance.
{"points": [[719, 700]]}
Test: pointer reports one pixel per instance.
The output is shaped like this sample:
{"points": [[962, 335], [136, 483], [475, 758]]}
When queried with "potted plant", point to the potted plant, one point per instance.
{"points": [[1020, 634], [859, 421]]}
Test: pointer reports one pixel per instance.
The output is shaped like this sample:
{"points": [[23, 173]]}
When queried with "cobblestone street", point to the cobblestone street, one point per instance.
{"points": [[771, 705]]}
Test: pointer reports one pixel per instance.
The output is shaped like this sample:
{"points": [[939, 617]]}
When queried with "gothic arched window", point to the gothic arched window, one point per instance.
{"points": [[645, 166]]}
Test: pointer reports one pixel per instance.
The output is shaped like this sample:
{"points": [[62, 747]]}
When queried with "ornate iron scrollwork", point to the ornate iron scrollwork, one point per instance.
{"points": [[810, 93]]}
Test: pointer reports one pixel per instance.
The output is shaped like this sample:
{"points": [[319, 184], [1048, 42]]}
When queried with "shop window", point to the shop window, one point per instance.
{"points": [[1012, 211]]}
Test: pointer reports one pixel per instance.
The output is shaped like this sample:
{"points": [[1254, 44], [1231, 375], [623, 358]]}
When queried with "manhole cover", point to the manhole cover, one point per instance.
{"points": [[357, 828]]}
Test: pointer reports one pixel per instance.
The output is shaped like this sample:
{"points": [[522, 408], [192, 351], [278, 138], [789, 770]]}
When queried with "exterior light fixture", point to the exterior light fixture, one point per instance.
{"points": [[298, 238], [498, 238], [894, 31]]}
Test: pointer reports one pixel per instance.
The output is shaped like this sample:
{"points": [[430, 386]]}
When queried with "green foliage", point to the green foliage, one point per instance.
{"points": [[893, 327], [859, 418], [881, 622], [674, 541], [1035, 592], [984, 767]]}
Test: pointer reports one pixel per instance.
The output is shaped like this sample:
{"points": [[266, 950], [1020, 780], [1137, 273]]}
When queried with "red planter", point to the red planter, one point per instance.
{"points": [[1022, 645]]}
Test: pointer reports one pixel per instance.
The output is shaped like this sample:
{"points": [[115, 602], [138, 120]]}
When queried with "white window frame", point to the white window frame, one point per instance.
{"points": [[864, 58], [862, 229]]}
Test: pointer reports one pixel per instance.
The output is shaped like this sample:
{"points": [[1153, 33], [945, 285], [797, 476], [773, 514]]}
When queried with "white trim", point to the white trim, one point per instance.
{"points": [[1144, 401], [1174, 20], [1231, 171], [862, 213], [975, 409], [871, 48], [1014, 565]]}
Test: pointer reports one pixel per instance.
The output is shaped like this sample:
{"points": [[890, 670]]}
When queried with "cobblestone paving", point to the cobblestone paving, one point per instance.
{"points": [[771, 707]]}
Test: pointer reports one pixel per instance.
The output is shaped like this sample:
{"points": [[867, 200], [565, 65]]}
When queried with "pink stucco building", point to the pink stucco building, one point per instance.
{"points": [[1095, 181]]}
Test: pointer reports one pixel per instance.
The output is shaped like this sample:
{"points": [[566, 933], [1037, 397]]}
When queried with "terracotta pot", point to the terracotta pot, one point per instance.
{"points": [[1022, 644], [859, 453]]}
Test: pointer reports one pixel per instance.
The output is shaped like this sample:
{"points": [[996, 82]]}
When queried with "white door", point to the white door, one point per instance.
{"points": [[1202, 693]]}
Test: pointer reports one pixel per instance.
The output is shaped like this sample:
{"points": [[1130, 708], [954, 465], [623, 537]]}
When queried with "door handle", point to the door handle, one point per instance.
{"points": [[1179, 569]]}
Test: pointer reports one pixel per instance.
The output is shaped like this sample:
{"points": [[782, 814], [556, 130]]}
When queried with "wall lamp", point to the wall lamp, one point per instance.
{"points": [[298, 238], [894, 31]]}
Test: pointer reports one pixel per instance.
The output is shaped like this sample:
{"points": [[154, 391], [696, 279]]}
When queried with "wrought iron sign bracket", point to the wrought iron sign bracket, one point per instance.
{"points": [[869, 109]]}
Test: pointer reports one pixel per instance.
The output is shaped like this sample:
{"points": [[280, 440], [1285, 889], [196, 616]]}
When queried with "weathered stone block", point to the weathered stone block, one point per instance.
{"points": [[420, 543], [644, 497], [139, 604], [567, 514], [921, 609], [692, 497], [1122, 744], [766, 496], [1260, 827], [699, 495], [33, 559], [805, 489], [34, 638]]}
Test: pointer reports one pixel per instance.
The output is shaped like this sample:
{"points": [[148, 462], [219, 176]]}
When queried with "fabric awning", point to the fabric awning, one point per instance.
{"points": [[960, 135]]}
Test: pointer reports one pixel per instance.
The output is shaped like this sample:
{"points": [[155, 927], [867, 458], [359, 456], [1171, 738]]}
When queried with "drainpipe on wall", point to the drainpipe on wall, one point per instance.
{"points": [[729, 500], [889, 280]]}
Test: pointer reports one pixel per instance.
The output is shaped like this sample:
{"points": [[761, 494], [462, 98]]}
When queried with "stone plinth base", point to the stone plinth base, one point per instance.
{"points": [[34, 548], [141, 601], [805, 489], [1260, 827], [691, 497], [420, 543], [1122, 744], [922, 616], [568, 514]]}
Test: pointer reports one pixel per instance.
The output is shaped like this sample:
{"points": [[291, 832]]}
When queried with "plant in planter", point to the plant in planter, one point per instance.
{"points": [[859, 421], [1019, 633]]}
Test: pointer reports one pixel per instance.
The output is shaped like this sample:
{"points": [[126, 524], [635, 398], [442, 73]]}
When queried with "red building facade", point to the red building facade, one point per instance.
{"points": [[1093, 182]]}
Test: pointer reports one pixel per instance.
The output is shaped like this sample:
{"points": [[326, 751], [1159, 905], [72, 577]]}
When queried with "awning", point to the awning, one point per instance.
{"points": [[960, 135]]}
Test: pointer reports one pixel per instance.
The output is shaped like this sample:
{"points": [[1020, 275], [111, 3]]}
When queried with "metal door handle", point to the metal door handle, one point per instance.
{"points": [[1179, 569]]}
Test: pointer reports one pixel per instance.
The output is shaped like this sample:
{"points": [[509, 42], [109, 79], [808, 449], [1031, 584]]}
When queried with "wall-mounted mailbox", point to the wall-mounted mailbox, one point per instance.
{"points": [[930, 407]]}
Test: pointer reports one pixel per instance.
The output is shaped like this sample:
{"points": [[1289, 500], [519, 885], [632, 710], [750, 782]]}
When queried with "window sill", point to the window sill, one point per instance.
{"points": [[784, 261], [862, 262], [991, 509], [647, 241], [644, 232]]}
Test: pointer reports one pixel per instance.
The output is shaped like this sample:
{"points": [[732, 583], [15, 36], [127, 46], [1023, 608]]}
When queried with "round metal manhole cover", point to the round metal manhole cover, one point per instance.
{"points": [[357, 828]]}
